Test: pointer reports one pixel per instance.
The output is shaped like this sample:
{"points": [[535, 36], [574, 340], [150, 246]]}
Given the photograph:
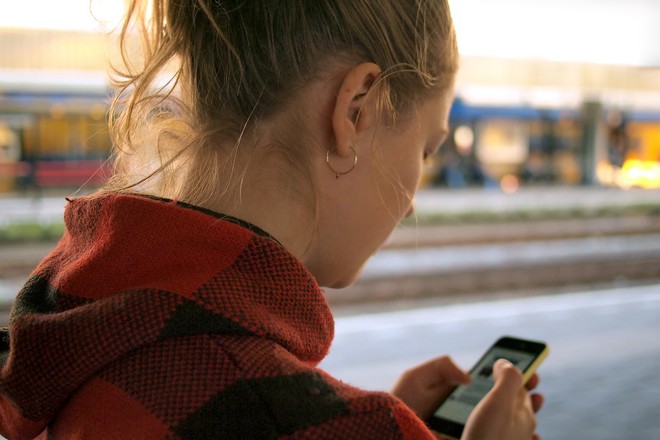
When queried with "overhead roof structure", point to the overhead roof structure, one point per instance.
{"points": [[524, 52], [610, 32]]}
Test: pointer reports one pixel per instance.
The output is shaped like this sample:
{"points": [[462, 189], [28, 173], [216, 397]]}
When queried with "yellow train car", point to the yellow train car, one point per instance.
{"points": [[641, 156], [52, 134]]}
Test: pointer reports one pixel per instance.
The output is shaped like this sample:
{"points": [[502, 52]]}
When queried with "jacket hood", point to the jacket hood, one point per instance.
{"points": [[132, 270]]}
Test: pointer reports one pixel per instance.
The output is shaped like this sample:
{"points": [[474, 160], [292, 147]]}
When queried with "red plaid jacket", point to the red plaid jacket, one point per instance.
{"points": [[153, 319]]}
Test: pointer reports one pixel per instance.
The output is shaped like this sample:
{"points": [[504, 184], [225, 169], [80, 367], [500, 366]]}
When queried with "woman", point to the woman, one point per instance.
{"points": [[183, 300]]}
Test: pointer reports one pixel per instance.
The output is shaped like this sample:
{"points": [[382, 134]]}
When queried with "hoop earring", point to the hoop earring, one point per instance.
{"points": [[338, 174]]}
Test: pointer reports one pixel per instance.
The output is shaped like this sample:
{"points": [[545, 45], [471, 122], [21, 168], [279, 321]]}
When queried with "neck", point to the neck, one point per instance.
{"points": [[272, 201]]}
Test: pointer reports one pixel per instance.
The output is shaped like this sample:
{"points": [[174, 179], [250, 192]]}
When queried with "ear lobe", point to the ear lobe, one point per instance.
{"points": [[351, 113]]}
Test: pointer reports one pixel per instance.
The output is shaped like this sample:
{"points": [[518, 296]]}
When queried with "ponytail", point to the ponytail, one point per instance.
{"points": [[208, 70]]}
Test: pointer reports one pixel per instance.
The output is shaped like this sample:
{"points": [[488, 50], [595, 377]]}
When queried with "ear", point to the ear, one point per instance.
{"points": [[351, 115]]}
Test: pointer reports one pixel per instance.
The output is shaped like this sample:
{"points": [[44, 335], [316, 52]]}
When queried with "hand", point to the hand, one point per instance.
{"points": [[423, 388], [508, 410]]}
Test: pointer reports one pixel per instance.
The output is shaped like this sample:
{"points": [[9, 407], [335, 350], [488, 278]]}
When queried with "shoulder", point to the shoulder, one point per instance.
{"points": [[269, 393], [234, 388]]}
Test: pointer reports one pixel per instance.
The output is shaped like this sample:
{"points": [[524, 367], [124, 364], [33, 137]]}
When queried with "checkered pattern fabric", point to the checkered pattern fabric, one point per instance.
{"points": [[155, 320]]}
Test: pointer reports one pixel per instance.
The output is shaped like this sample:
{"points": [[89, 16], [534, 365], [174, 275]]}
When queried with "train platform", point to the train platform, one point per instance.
{"points": [[521, 250], [547, 199], [49, 207]]}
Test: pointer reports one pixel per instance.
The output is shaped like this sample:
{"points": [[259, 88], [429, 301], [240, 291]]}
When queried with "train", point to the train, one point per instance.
{"points": [[54, 135], [53, 131], [509, 145]]}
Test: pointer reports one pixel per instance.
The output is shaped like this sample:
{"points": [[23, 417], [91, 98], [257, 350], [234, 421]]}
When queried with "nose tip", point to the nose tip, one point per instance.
{"points": [[411, 210]]}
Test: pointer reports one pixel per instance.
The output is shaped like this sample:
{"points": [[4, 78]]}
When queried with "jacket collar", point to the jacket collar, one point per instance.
{"points": [[130, 271]]}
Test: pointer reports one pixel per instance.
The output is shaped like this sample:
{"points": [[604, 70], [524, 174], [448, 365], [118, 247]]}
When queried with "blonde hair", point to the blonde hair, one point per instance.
{"points": [[232, 64]]}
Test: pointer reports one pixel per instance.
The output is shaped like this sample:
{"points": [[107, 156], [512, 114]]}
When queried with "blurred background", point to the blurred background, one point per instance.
{"points": [[540, 216]]}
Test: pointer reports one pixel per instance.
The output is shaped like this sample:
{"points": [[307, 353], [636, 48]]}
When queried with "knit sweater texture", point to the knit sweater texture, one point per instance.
{"points": [[153, 319]]}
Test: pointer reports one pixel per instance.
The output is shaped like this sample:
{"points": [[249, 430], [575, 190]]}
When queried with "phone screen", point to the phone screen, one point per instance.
{"points": [[451, 415]]}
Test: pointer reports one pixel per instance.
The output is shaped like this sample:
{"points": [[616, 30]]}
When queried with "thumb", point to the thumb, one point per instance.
{"points": [[451, 373], [508, 378]]}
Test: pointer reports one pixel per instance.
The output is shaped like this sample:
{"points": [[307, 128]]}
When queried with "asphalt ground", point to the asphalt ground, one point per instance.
{"points": [[600, 380]]}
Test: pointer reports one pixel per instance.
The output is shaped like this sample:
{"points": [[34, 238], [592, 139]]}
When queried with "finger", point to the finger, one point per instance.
{"points": [[423, 388], [446, 371], [508, 378], [537, 401], [441, 371], [533, 382]]}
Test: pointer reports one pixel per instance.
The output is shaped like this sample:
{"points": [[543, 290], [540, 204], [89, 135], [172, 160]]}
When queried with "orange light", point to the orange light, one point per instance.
{"points": [[509, 184], [639, 174]]}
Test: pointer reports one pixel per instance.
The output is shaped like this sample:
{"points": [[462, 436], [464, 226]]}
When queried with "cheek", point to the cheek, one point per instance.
{"points": [[410, 162], [401, 187], [410, 174]]}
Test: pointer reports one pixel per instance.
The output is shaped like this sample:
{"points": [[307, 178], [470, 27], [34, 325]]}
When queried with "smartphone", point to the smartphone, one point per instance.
{"points": [[450, 417]]}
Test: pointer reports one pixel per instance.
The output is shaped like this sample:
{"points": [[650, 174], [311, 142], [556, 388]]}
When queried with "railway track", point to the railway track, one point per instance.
{"points": [[449, 261], [453, 261]]}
